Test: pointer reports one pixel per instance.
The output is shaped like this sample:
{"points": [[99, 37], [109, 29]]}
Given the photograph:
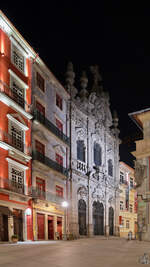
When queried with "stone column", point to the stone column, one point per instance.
{"points": [[10, 227], [46, 226], [34, 225], [55, 227], [24, 218]]}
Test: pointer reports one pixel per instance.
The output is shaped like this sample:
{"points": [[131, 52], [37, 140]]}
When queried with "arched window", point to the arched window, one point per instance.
{"points": [[80, 150], [97, 154], [110, 167]]}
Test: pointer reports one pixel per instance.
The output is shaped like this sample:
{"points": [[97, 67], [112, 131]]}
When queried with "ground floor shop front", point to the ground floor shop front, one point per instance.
{"points": [[48, 222], [15, 220]]}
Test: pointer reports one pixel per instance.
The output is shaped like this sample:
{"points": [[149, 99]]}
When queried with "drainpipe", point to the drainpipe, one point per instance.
{"points": [[88, 174], [70, 154]]}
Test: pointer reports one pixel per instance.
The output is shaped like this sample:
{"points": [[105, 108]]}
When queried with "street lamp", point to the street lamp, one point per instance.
{"points": [[65, 205]]}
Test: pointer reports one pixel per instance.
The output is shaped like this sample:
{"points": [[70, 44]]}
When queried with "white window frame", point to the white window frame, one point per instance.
{"points": [[121, 205], [16, 46], [18, 166], [17, 124], [122, 175]]}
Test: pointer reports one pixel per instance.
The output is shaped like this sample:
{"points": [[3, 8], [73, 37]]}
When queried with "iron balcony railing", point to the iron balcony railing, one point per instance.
{"points": [[46, 195], [14, 142], [4, 88], [50, 126], [13, 186], [49, 162]]}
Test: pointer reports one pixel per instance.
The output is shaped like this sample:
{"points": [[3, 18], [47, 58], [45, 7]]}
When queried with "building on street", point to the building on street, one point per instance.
{"points": [[94, 158], [142, 172], [128, 201], [50, 143], [15, 134]]}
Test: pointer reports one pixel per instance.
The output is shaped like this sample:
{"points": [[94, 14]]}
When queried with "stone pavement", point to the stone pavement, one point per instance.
{"points": [[92, 252]]}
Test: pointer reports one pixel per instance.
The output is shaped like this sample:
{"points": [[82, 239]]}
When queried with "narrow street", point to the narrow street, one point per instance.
{"points": [[91, 252]]}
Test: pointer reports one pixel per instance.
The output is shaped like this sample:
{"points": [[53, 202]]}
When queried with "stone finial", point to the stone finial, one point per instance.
{"points": [[70, 75], [115, 119], [84, 81], [97, 87]]}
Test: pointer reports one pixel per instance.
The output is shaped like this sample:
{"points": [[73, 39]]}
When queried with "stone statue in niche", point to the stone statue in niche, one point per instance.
{"points": [[140, 173]]}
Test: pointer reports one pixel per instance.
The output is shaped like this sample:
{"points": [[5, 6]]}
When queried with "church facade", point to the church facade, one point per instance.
{"points": [[94, 159]]}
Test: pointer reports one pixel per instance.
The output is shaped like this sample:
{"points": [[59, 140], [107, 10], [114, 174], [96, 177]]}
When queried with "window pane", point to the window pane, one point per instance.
{"points": [[80, 150]]}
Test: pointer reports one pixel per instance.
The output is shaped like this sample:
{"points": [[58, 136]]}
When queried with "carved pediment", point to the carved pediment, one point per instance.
{"points": [[18, 117]]}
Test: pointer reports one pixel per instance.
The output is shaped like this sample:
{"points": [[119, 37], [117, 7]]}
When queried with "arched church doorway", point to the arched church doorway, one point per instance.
{"points": [[82, 217], [98, 218]]}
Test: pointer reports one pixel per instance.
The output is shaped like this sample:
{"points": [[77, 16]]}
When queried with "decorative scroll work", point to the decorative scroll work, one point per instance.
{"points": [[140, 173]]}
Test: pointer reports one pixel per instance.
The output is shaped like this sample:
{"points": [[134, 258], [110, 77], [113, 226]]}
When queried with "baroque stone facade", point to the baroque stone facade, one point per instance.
{"points": [[94, 158]]}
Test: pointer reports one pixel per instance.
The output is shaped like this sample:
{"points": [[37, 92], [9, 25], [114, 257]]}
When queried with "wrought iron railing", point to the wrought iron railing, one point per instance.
{"points": [[50, 126], [46, 195], [14, 142], [4, 88], [49, 162], [13, 186]]}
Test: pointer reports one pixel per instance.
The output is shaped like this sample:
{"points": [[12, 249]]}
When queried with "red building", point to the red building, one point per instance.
{"points": [[15, 133]]}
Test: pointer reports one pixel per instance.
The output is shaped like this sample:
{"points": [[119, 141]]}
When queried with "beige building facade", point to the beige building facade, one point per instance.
{"points": [[128, 201], [142, 172]]}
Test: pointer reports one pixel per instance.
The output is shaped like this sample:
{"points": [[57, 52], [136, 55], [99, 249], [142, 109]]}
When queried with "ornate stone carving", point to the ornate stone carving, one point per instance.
{"points": [[82, 191]]}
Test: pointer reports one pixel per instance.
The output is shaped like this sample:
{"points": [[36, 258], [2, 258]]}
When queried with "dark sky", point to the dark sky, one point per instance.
{"points": [[114, 37]]}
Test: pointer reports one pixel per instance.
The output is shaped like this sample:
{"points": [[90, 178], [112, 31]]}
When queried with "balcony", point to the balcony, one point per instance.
{"points": [[14, 142], [50, 126], [9, 96], [46, 195], [48, 162], [9, 185]]}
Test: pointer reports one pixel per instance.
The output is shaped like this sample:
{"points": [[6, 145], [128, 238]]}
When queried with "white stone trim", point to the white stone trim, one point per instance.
{"points": [[17, 164], [11, 148], [11, 103], [21, 125], [2, 145], [19, 47], [24, 85]]}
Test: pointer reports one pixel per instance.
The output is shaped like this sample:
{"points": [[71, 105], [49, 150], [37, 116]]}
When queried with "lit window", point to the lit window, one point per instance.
{"points": [[17, 93], [18, 59], [59, 191], [121, 205], [40, 147], [40, 82], [59, 159], [81, 150], [16, 177], [16, 136], [59, 101], [59, 125], [121, 177], [131, 182], [40, 187], [40, 108], [97, 154]]}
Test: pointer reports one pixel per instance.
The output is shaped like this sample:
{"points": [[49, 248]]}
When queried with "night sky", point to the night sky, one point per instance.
{"points": [[115, 38]]}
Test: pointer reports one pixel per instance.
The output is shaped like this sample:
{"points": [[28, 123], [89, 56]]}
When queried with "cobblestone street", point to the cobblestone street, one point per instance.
{"points": [[91, 252]]}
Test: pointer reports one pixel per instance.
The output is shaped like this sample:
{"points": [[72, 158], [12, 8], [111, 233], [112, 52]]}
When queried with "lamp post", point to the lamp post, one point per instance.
{"points": [[65, 205]]}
